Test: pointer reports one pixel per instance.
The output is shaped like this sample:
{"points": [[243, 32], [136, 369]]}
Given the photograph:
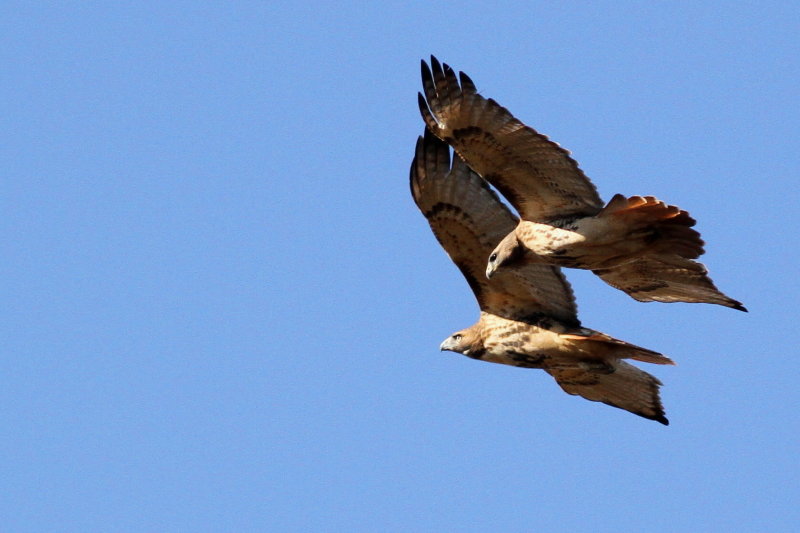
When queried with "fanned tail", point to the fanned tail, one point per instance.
{"points": [[667, 227]]}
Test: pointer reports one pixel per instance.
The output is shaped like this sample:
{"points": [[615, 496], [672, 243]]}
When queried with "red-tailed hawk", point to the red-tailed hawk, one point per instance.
{"points": [[639, 245], [528, 315]]}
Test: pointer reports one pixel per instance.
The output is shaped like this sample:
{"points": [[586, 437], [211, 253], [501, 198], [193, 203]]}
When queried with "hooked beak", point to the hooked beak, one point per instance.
{"points": [[490, 270], [446, 345]]}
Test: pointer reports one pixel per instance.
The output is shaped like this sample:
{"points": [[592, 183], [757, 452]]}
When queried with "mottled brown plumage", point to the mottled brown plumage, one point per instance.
{"points": [[528, 315], [637, 244]]}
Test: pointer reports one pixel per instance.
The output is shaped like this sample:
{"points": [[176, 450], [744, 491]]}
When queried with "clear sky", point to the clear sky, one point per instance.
{"points": [[222, 309]]}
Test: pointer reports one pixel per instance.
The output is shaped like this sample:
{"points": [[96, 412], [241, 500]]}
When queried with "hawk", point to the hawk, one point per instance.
{"points": [[637, 244], [528, 316]]}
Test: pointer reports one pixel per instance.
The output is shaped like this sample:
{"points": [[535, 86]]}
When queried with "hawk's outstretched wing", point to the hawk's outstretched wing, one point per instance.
{"points": [[469, 220], [626, 387], [666, 278], [535, 174]]}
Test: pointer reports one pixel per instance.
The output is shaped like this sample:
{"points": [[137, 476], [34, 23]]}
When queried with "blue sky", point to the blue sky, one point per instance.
{"points": [[223, 309]]}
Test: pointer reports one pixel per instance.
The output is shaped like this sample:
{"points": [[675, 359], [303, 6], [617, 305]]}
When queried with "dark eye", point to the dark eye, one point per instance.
{"points": [[457, 337], [493, 258]]}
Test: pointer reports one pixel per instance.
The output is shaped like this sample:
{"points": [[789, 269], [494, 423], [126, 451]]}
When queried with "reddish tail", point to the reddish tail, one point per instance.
{"points": [[667, 227]]}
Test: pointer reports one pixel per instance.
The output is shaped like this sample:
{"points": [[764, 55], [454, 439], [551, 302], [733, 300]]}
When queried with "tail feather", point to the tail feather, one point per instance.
{"points": [[667, 227], [619, 349]]}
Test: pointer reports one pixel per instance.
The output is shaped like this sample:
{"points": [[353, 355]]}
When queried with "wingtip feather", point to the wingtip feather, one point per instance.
{"points": [[425, 111], [467, 85]]}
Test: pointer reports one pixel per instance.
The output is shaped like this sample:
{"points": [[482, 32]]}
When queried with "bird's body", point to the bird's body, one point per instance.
{"points": [[637, 244], [624, 231], [587, 243], [544, 343], [528, 314]]}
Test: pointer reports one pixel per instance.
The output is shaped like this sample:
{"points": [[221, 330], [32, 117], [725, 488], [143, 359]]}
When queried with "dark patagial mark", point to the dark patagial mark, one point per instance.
{"points": [[543, 321], [527, 360], [476, 353]]}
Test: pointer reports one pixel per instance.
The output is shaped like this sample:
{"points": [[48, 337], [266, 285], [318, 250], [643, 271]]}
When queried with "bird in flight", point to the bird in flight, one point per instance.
{"points": [[528, 316], [637, 244]]}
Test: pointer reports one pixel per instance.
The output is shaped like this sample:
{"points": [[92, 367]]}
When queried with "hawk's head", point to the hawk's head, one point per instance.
{"points": [[466, 341], [508, 252]]}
